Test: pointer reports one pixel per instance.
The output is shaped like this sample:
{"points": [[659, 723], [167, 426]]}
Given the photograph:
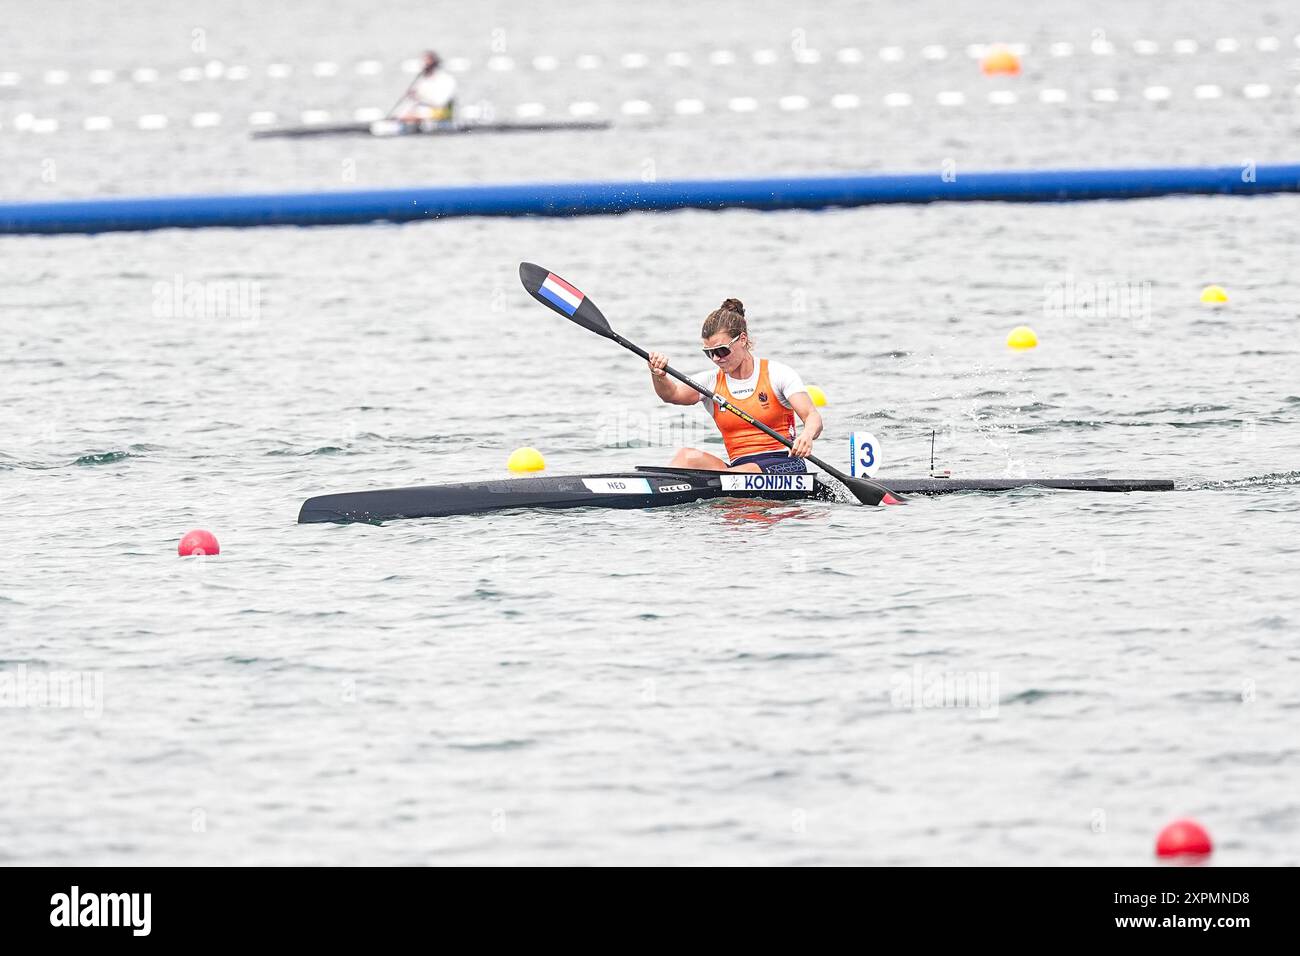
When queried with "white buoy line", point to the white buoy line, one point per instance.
{"points": [[688, 106], [638, 60]]}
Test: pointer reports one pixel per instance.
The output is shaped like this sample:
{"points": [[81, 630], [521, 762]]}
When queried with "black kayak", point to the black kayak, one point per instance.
{"points": [[648, 487], [388, 128]]}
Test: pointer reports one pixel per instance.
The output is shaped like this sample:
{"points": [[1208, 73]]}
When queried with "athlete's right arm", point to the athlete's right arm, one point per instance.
{"points": [[670, 390]]}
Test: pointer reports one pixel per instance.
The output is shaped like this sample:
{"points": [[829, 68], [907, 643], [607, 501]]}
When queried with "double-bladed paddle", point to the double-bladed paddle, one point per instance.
{"points": [[563, 297]]}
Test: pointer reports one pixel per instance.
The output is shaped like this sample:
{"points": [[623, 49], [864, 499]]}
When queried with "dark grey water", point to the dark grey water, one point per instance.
{"points": [[732, 683]]}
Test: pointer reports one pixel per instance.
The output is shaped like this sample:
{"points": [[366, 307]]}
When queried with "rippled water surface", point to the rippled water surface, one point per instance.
{"points": [[717, 683]]}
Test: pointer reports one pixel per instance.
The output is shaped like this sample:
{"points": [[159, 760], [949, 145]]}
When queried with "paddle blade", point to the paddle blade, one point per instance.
{"points": [[870, 492], [563, 297]]}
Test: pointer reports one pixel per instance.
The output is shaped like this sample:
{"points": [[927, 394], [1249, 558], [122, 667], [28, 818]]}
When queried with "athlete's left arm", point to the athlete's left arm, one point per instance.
{"points": [[812, 423]]}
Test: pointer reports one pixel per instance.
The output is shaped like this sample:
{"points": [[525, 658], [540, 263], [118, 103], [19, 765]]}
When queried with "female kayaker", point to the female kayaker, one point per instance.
{"points": [[769, 391]]}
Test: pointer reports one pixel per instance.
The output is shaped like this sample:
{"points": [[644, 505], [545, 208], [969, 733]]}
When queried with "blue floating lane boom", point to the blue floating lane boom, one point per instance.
{"points": [[602, 198]]}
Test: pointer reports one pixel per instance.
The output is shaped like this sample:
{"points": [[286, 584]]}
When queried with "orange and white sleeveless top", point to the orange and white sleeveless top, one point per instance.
{"points": [[763, 404]]}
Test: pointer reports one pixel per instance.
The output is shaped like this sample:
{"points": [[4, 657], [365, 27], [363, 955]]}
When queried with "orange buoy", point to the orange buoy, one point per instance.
{"points": [[1000, 62]]}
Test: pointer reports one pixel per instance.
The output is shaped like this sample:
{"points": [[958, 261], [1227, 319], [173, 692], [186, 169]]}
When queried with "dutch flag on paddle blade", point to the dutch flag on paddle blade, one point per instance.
{"points": [[562, 295]]}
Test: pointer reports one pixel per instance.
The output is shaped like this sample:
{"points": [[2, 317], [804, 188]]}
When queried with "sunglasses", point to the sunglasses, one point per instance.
{"points": [[721, 351]]}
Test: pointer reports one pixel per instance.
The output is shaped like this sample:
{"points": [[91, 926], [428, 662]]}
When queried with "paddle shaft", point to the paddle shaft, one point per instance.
{"points": [[723, 403], [405, 93]]}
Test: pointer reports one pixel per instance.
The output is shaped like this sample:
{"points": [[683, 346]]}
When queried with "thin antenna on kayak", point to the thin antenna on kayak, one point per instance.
{"points": [[947, 472]]}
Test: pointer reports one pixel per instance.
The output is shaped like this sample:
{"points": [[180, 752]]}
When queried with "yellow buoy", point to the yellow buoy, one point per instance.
{"points": [[526, 459], [1214, 294], [1000, 62], [817, 395], [1022, 337]]}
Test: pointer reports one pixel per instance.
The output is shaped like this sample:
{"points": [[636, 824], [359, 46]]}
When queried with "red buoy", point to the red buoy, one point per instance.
{"points": [[1183, 838], [198, 542]]}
